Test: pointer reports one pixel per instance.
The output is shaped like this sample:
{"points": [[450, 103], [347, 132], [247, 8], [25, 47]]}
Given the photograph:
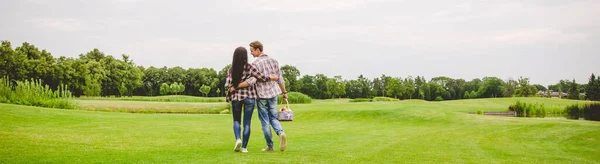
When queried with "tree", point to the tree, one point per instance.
{"points": [[365, 86], [409, 87], [419, 82], [218, 92], [291, 74], [205, 89], [176, 88], [165, 89], [466, 95], [524, 89], [573, 91], [93, 79], [540, 87], [509, 87], [308, 86], [336, 87], [321, 84], [394, 88], [353, 89], [592, 91], [491, 87]]}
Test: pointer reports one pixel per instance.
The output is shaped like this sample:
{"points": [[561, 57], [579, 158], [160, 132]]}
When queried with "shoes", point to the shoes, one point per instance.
{"points": [[238, 145], [270, 149], [282, 142]]}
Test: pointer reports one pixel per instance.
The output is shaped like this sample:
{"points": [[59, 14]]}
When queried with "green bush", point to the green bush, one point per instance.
{"points": [[361, 100], [33, 93], [479, 112], [439, 98], [528, 110], [296, 98], [384, 99], [6, 92]]}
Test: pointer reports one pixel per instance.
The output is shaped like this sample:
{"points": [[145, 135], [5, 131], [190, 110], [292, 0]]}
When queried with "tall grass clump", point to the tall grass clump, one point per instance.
{"points": [[384, 99], [361, 100], [6, 91], [34, 93], [588, 111], [529, 110], [296, 98]]}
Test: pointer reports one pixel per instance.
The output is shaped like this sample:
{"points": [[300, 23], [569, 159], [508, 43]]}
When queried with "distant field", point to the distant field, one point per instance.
{"points": [[152, 107], [172, 98], [326, 131]]}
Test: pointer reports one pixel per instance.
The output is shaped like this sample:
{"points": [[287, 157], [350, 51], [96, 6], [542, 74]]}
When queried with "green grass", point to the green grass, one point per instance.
{"points": [[152, 107], [171, 98], [329, 131], [385, 99]]}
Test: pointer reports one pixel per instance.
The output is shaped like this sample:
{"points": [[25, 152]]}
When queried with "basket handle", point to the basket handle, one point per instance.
{"points": [[287, 105]]}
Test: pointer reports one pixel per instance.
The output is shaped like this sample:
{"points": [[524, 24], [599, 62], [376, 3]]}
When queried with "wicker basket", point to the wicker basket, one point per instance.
{"points": [[288, 114]]}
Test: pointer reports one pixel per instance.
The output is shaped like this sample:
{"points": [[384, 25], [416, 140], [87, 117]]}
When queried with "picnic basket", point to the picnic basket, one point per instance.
{"points": [[286, 113]]}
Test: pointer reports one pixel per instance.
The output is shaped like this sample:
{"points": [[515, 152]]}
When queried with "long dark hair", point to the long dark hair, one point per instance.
{"points": [[240, 59]]}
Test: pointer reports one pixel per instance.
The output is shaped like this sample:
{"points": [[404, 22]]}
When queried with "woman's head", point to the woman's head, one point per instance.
{"points": [[240, 59]]}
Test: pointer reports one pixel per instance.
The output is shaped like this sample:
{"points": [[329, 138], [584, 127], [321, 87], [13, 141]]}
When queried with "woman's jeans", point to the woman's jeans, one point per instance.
{"points": [[236, 108]]}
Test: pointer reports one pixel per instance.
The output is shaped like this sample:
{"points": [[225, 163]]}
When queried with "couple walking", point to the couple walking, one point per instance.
{"points": [[258, 83]]}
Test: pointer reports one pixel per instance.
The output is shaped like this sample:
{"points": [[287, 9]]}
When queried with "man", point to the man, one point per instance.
{"points": [[267, 96]]}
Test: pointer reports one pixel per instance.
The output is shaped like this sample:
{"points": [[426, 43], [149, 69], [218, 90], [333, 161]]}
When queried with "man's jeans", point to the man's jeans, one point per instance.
{"points": [[236, 108], [267, 113]]}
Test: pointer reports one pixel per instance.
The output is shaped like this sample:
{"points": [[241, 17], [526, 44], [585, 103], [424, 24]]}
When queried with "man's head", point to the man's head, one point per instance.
{"points": [[256, 48]]}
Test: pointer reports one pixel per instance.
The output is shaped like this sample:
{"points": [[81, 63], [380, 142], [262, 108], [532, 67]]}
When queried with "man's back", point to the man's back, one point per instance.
{"points": [[269, 66]]}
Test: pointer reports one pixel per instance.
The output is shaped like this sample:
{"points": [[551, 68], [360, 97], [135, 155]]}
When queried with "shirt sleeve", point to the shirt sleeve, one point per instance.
{"points": [[228, 80], [259, 75], [251, 81]]}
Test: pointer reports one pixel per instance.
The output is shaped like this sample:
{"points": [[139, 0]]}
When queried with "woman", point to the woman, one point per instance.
{"points": [[243, 75]]}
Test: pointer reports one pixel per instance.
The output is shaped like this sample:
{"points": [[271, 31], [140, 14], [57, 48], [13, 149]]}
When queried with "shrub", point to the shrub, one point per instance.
{"points": [[384, 99], [33, 93], [296, 98], [528, 110], [361, 100]]}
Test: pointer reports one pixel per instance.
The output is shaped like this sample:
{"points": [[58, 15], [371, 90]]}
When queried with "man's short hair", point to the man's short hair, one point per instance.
{"points": [[257, 45]]}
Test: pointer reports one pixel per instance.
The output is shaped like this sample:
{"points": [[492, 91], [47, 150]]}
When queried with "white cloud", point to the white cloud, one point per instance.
{"points": [[180, 52], [537, 36], [66, 24], [304, 6]]}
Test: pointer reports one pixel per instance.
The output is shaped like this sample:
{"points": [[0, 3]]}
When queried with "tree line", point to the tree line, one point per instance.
{"points": [[95, 73]]}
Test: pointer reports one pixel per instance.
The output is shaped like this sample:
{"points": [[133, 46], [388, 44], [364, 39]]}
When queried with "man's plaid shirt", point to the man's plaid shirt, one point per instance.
{"points": [[249, 75], [268, 65]]}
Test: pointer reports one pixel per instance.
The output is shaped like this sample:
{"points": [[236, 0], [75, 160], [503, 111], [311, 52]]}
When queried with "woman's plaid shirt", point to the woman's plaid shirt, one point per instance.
{"points": [[249, 75]]}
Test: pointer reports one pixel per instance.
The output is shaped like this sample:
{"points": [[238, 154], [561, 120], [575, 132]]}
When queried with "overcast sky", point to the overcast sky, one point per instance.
{"points": [[546, 40]]}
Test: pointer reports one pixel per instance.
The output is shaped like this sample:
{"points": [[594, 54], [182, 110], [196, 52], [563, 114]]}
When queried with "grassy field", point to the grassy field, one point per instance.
{"points": [[328, 131], [152, 107], [171, 98]]}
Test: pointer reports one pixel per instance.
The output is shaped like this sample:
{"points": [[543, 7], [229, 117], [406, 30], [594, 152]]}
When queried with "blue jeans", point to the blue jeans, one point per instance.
{"points": [[236, 108], [267, 113]]}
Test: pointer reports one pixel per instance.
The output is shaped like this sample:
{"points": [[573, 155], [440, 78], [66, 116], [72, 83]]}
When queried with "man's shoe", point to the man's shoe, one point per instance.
{"points": [[244, 150], [269, 149], [282, 141]]}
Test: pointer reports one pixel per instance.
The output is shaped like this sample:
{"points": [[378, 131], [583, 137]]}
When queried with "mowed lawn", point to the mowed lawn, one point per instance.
{"points": [[331, 131]]}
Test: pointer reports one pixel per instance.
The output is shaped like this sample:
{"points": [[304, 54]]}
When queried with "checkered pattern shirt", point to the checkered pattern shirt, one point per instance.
{"points": [[249, 75], [270, 66]]}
